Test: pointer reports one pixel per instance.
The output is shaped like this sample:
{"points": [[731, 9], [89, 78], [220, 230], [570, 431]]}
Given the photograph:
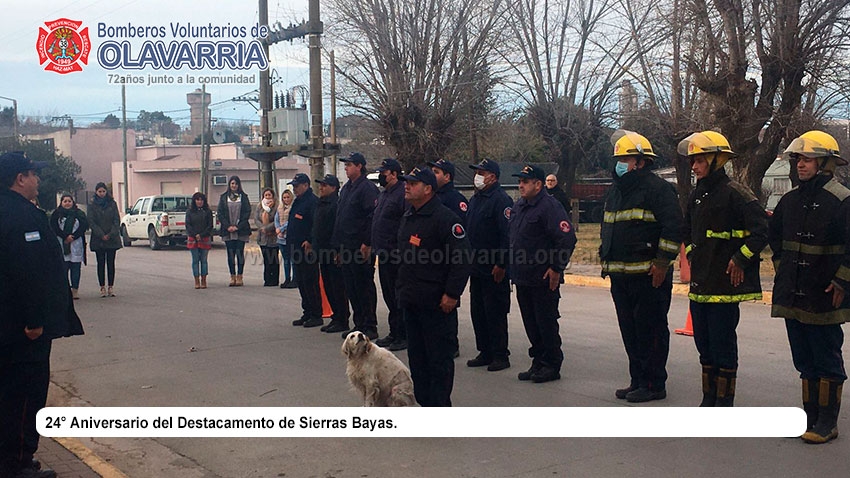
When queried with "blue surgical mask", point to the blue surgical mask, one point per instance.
{"points": [[621, 168]]}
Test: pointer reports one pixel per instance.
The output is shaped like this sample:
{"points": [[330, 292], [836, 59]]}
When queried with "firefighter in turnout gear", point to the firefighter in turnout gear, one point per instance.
{"points": [[724, 230], [641, 233], [810, 238]]}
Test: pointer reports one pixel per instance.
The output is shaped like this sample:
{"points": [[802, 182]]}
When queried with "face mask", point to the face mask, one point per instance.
{"points": [[382, 180], [621, 168], [478, 181]]}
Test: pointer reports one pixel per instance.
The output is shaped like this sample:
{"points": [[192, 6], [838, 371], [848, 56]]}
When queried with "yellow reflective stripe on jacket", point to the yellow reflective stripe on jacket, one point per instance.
{"points": [[626, 267], [629, 215], [688, 249], [795, 246], [843, 273], [724, 299], [668, 246], [747, 252], [738, 234]]}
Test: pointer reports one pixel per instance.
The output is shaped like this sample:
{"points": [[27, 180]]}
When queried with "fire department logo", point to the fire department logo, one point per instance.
{"points": [[463, 206], [507, 213], [63, 46], [565, 227], [616, 148], [458, 231]]}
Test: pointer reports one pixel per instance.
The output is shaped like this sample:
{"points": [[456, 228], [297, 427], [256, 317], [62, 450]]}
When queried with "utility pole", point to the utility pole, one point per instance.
{"points": [[203, 185], [126, 194]]}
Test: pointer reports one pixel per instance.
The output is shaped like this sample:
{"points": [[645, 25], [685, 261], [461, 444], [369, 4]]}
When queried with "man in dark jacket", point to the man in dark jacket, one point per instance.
{"points": [[353, 236], [725, 229], [35, 308], [299, 238], [810, 239], [323, 228], [385, 223], [434, 269], [489, 289], [542, 241], [555, 191], [641, 233]]}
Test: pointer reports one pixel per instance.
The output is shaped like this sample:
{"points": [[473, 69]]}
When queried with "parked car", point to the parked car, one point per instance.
{"points": [[160, 219]]}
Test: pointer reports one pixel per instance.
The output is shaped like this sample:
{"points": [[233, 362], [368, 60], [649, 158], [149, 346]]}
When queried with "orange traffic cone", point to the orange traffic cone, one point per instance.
{"points": [[326, 307], [689, 327]]}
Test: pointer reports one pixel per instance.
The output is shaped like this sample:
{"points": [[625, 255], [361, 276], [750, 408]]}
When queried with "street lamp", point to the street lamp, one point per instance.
{"points": [[15, 111]]}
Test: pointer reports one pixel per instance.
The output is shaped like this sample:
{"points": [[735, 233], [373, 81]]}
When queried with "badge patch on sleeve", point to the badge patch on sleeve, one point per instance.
{"points": [[32, 236], [458, 231], [565, 226], [463, 206], [507, 213]]}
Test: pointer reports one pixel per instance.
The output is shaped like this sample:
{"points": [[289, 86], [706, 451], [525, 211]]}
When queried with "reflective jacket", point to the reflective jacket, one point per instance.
{"points": [[810, 239], [724, 221], [642, 224]]}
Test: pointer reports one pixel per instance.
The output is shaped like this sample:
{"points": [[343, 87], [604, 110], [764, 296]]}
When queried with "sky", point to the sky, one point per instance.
{"points": [[87, 96]]}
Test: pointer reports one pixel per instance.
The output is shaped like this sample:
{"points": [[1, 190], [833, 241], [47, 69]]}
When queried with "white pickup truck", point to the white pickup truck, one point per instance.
{"points": [[159, 219]]}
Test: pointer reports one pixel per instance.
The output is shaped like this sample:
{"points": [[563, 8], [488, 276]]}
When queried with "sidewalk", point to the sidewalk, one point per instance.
{"points": [[66, 464]]}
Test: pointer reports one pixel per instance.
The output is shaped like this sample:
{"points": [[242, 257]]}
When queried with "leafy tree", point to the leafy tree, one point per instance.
{"points": [[111, 121]]}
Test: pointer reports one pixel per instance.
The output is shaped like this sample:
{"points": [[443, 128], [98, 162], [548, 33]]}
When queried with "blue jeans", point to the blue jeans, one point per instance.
{"points": [[235, 253], [199, 261], [288, 270], [74, 269]]}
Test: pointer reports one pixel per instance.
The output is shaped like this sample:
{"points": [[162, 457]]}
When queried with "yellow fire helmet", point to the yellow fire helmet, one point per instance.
{"points": [[707, 142], [629, 143], [815, 144]]}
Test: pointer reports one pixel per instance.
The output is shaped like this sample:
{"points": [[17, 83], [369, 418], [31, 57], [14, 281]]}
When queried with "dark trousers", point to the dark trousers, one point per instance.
{"points": [[335, 291], [539, 309], [235, 255], [816, 350], [23, 392], [714, 333], [359, 276], [387, 273], [307, 270], [489, 304], [271, 265], [430, 352], [105, 266], [642, 316]]}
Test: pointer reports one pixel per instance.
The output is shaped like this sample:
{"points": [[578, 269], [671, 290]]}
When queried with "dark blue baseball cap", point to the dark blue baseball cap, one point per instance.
{"points": [[355, 158], [530, 171], [390, 164], [300, 178], [446, 166], [487, 165], [423, 174], [330, 180], [15, 162]]}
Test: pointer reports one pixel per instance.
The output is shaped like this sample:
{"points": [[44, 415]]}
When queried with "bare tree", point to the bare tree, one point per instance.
{"points": [[414, 66]]}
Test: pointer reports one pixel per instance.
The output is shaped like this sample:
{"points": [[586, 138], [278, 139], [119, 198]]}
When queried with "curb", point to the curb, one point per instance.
{"points": [[96, 463]]}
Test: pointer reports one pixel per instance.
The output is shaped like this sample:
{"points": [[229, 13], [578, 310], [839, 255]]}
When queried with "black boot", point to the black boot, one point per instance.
{"points": [[810, 402], [709, 386], [829, 404], [726, 387]]}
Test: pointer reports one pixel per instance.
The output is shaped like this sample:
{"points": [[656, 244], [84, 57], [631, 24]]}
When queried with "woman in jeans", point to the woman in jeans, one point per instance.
{"points": [[281, 221], [267, 237], [70, 225], [199, 226], [234, 209], [105, 236]]}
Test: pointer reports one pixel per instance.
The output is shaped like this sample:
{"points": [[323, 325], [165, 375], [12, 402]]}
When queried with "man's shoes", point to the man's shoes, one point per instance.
{"points": [[480, 360], [622, 392], [34, 473], [526, 376], [385, 341], [314, 322], [545, 374], [300, 322], [335, 326], [371, 333], [285, 285], [498, 364], [645, 395], [291, 285], [398, 344]]}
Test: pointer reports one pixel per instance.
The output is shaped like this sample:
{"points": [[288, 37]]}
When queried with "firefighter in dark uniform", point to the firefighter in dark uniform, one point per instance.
{"points": [[489, 289], [724, 230], [541, 243], [810, 238], [641, 232], [434, 268], [299, 238], [353, 235], [35, 308], [444, 171], [323, 228], [388, 212]]}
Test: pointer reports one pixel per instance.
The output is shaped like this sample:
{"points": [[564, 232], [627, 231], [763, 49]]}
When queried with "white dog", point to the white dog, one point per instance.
{"points": [[380, 377]]}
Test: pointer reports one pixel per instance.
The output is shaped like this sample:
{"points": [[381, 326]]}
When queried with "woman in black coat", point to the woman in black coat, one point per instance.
{"points": [[234, 209], [69, 224], [105, 224], [199, 226]]}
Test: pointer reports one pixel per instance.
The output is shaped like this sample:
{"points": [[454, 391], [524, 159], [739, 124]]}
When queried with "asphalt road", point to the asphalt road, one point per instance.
{"points": [[162, 343]]}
